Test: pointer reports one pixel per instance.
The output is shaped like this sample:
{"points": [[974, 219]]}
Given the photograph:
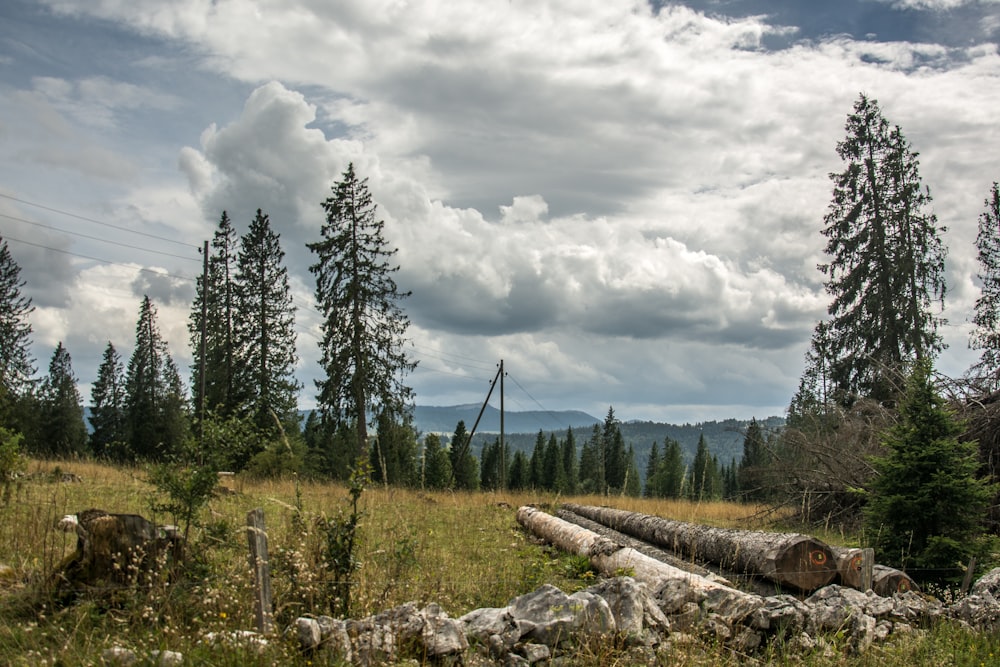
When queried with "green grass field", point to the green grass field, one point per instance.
{"points": [[460, 550]]}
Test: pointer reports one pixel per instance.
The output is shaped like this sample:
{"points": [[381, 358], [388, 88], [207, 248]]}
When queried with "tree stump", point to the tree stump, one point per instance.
{"points": [[115, 551]]}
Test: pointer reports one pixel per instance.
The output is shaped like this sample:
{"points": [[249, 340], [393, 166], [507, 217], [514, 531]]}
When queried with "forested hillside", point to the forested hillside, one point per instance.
{"points": [[724, 438]]}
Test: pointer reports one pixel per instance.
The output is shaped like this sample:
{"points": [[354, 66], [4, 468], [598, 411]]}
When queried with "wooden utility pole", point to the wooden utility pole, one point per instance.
{"points": [[503, 449]]}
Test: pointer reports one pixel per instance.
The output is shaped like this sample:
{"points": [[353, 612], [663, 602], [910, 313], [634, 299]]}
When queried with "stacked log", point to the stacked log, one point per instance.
{"points": [[640, 546], [788, 559], [611, 558], [886, 581]]}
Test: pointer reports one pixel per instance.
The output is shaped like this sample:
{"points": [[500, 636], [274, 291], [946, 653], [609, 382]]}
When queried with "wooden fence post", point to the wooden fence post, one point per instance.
{"points": [[257, 537], [867, 569], [969, 572]]}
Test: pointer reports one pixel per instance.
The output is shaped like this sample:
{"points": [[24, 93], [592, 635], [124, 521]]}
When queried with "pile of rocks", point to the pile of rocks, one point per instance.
{"points": [[548, 623]]}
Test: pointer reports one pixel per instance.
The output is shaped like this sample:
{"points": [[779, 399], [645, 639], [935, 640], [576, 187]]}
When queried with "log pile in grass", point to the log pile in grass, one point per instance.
{"points": [[611, 558], [789, 559]]}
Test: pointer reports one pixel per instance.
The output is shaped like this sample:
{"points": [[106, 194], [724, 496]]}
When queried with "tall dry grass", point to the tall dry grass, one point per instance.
{"points": [[460, 550]]}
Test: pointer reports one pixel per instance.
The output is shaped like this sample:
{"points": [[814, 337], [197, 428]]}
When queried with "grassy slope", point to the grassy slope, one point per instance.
{"points": [[462, 551]]}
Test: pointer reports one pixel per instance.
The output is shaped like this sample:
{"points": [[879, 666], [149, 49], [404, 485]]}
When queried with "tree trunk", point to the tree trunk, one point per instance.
{"points": [[642, 547], [611, 558], [788, 559], [886, 581]]}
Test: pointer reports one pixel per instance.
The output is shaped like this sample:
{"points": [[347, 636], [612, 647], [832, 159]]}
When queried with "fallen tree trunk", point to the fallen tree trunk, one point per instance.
{"points": [[640, 546], [886, 581], [788, 559], [611, 558]]}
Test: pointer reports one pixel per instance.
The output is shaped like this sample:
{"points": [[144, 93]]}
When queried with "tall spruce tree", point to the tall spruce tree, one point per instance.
{"points": [[16, 363], [986, 318], [107, 407], [265, 330], [886, 265], [363, 354], [155, 421], [62, 431], [215, 303]]}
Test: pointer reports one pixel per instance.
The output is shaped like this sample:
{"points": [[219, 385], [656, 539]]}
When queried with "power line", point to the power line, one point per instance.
{"points": [[95, 238], [544, 409], [96, 222], [98, 259]]}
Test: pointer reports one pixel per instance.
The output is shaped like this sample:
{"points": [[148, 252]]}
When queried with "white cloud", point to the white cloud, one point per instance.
{"points": [[623, 201]]}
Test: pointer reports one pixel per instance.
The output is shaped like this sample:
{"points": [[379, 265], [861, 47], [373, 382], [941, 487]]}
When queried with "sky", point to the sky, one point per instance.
{"points": [[623, 201]]}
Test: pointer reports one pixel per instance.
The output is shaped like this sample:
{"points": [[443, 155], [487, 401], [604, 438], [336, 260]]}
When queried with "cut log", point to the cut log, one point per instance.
{"points": [[789, 559], [611, 558], [886, 581], [640, 546]]}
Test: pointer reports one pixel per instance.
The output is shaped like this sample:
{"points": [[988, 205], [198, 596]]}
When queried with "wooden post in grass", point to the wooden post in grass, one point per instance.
{"points": [[969, 572], [257, 536]]}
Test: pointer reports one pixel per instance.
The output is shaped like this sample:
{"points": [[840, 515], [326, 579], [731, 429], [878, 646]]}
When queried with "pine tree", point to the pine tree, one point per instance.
{"points": [[107, 409], [16, 362], [394, 452], [592, 463], [568, 447], [703, 474], [615, 465], [812, 405], [464, 467], [62, 430], [437, 465], [520, 472], [886, 264], [265, 330], [750, 476], [652, 467], [632, 485], [553, 475], [986, 319], [926, 508], [224, 394], [490, 474], [538, 462], [363, 326], [155, 422], [672, 483]]}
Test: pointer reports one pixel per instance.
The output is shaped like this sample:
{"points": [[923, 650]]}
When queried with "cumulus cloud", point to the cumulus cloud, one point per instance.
{"points": [[620, 198]]}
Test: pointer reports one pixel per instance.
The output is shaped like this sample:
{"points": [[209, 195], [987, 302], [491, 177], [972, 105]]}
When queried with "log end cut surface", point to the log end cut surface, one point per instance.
{"points": [[804, 563]]}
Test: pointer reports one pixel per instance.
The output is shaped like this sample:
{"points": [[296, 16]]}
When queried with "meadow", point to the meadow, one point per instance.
{"points": [[460, 550]]}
